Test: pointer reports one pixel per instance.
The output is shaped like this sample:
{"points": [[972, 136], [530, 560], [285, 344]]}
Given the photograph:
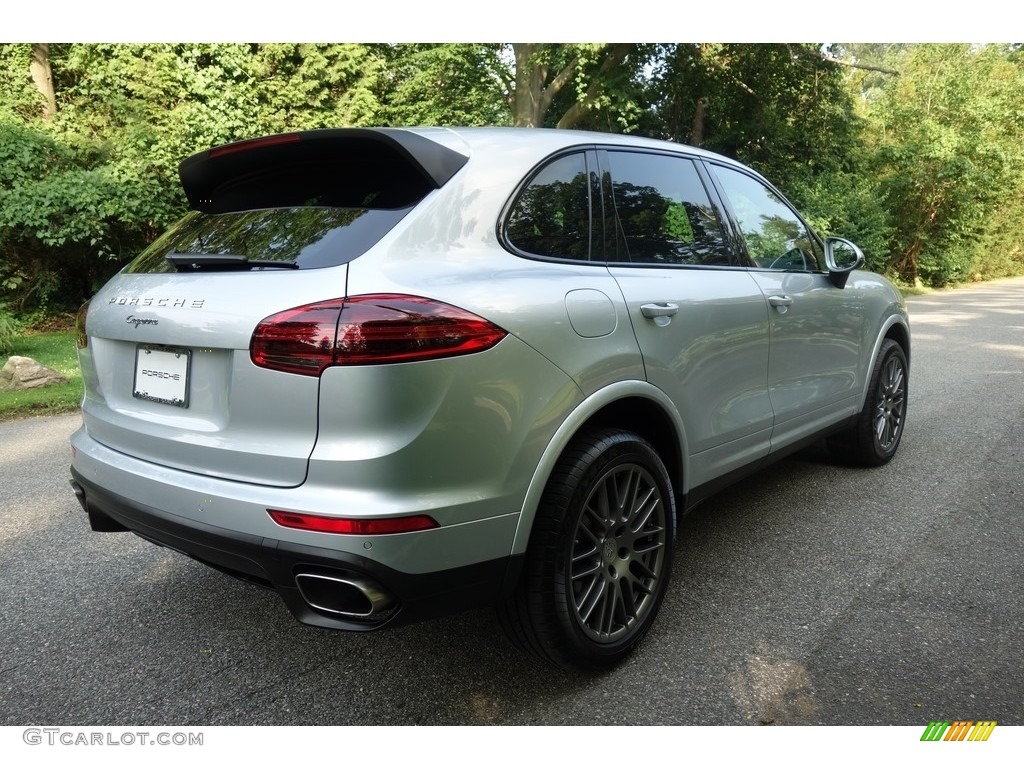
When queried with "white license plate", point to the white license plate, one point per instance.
{"points": [[161, 375]]}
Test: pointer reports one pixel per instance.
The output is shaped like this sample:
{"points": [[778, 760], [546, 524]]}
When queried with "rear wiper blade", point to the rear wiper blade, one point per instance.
{"points": [[222, 262], [267, 263]]}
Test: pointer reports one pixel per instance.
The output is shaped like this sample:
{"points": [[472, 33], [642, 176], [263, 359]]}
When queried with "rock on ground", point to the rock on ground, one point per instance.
{"points": [[26, 373]]}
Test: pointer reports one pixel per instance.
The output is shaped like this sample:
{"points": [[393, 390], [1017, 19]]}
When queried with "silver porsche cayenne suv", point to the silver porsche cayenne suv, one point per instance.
{"points": [[394, 372]]}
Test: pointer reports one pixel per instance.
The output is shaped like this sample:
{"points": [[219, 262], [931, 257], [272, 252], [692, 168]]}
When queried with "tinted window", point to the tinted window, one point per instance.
{"points": [[551, 216], [664, 215], [306, 237], [774, 234]]}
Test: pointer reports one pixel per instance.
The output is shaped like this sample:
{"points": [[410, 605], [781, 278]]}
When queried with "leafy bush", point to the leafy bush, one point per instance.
{"points": [[849, 205], [8, 332]]}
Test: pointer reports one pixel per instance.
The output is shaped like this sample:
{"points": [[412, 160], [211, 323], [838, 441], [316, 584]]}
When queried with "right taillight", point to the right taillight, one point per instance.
{"points": [[368, 330]]}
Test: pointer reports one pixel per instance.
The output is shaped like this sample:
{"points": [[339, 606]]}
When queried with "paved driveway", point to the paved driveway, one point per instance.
{"points": [[807, 594]]}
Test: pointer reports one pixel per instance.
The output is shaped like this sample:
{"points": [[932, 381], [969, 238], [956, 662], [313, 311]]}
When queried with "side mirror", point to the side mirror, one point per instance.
{"points": [[841, 258]]}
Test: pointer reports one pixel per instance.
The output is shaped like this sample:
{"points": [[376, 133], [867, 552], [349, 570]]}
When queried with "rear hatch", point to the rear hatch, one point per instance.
{"points": [[165, 345]]}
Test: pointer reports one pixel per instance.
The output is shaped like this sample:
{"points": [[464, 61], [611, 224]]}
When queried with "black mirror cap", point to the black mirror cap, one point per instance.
{"points": [[841, 257]]}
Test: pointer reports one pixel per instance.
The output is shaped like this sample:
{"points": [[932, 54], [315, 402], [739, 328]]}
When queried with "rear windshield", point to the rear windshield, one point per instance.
{"points": [[303, 237]]}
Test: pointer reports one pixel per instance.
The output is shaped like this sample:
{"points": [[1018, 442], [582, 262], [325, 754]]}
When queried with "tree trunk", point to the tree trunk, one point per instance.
{"points": [[534, 93], [530, 77], [697, 129], [42, 76]]}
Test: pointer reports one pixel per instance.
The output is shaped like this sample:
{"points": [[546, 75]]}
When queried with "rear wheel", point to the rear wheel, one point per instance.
{"points": [[873, 440], [599, 556]]}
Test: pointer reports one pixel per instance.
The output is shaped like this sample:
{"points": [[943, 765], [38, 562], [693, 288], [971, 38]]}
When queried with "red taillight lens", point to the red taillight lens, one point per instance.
{"points": [[358, 527], [368, 330], [299, 340], [391, 328]]}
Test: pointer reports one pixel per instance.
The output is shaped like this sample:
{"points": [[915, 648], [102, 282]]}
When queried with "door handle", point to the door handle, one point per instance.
{"points": [[661, 309], [781, 303]]}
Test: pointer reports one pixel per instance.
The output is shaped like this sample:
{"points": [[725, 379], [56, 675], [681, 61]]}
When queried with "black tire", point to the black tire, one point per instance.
{"points": [[599, 556], [873, 440]]}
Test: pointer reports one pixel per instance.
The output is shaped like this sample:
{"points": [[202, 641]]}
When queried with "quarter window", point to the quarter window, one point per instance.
{"points": [[551, 216], [662, 212]]}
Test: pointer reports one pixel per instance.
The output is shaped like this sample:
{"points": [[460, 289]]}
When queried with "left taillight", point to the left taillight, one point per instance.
{"points": [[368, 330], [81, 337]]}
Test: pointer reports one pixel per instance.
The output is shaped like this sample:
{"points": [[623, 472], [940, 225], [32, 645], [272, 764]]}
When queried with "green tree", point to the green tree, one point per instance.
{"points": [[782, 108], [562, 85], [594, 85], [18, 94], [444, 84], [946, 150], [84, 188]]}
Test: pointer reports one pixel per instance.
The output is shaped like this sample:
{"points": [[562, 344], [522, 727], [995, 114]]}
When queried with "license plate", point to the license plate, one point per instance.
{"points": [[161, 375]]}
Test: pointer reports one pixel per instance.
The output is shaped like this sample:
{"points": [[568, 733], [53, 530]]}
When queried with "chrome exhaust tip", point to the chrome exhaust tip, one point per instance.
{"points": [[348, 595]]}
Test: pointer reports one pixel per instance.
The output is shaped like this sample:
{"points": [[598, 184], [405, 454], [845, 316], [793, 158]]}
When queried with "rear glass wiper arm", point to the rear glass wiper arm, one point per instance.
{"points": [[222, 262]]}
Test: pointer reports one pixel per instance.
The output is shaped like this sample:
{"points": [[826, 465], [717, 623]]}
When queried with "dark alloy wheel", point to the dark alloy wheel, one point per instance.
{"points": [[891, 404], [873, 440], [600, 554], [617, 553]]}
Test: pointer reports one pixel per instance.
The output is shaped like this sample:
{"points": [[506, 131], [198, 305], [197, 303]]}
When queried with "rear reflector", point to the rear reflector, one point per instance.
{"points": [[353, 526], [368, 330]]}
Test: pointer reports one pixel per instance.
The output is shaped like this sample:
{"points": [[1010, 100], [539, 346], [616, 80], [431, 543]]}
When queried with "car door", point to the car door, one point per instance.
{"points": [[815, 327], [698, 316]]}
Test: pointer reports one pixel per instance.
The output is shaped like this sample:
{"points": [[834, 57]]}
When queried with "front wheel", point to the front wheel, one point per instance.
{"points": [[599, 556], [873, 440]]}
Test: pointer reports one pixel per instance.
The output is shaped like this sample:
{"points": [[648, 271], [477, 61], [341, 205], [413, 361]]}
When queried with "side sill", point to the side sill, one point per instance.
{"points": [[707, 490]]}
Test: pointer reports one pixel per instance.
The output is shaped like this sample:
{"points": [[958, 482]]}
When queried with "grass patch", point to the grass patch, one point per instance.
{"points": [[55, 349]]}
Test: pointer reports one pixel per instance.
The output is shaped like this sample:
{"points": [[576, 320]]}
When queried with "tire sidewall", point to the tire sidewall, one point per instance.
{"points": [[612, 451], [889, 350]]}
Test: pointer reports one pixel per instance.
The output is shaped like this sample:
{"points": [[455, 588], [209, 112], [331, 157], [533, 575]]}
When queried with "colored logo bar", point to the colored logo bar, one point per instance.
{"points": [[958, 730]]}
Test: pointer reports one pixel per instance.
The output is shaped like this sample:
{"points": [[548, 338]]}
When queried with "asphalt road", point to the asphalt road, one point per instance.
{"points": [[808, 594]]}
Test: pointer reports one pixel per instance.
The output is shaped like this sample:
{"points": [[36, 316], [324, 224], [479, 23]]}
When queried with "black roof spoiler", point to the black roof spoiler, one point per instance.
{"points": [[285, 168]]}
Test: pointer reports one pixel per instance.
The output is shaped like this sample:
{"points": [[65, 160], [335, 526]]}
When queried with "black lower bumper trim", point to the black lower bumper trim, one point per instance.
{"points": [[274, 564]]}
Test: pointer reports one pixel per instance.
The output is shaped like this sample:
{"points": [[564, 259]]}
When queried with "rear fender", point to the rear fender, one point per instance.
{"points": [[575, 421]]}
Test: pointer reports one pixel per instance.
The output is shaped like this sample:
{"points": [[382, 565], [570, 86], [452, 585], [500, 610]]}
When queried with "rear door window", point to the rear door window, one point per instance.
{"points": [[662, 212]]}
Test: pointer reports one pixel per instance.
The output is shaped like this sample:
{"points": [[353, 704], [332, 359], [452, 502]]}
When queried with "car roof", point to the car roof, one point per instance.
{"points": [[548, 140], [279, 169]]}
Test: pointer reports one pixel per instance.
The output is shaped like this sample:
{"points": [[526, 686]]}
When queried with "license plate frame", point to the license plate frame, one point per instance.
{"points": [[162, 374]]}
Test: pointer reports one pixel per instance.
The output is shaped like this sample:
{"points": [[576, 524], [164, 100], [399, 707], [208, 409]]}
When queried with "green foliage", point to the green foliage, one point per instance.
{"points": [[675, 224], [780, 108], [946, 150], [17, 93], [924, 168], [1000, 249], [8, 332], [610, 90], [450, 84], [848, 204], [598, 86], [82, 193]]}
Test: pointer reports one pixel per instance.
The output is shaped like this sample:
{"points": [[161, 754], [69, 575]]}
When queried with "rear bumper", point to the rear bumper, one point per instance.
{"points": [[275, 564]]}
